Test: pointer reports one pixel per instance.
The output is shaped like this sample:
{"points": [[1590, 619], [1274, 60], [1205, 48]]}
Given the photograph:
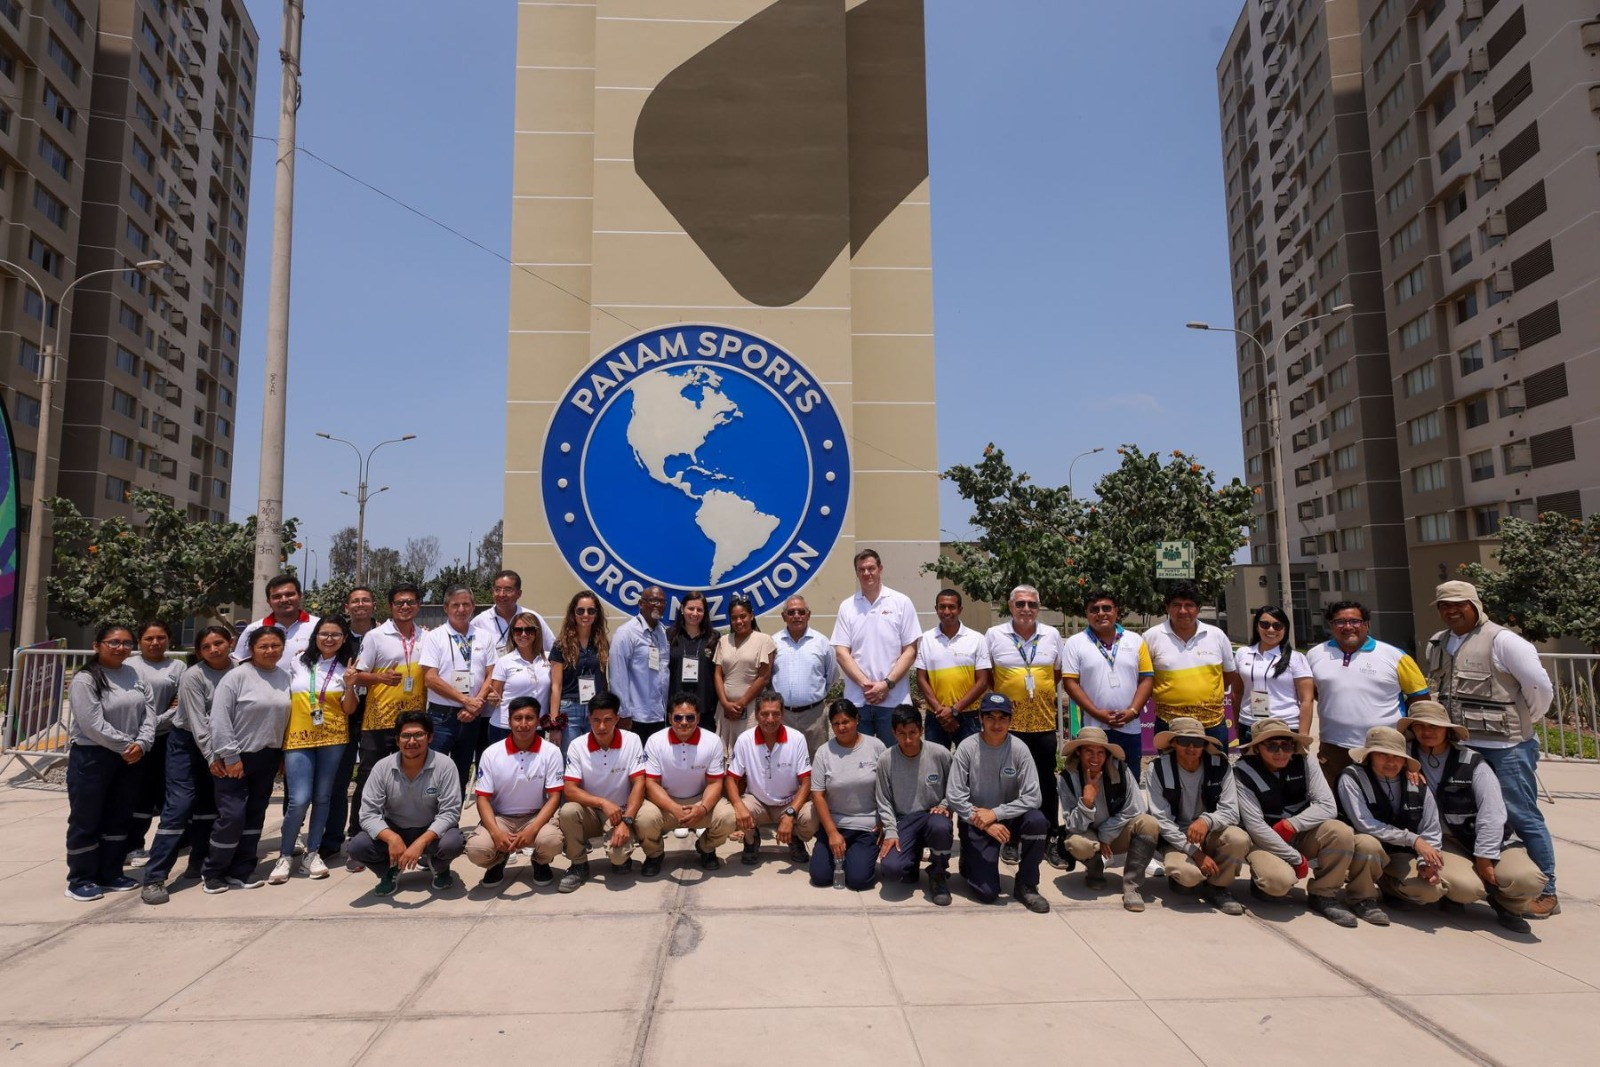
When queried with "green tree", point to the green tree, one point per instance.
{"points": [[342, 552], [491, 548], [457, 573], [1547, 584], [165, 567]]}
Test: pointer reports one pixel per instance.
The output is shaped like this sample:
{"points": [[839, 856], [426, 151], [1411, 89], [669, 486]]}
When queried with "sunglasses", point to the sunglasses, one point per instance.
{"points": [[586, 611], [1025, 605], [1277, 746], [524, 629], [402, 603], [1269, 625], [1189, 742], [1103, 609], [795, 611], [685, 718]]}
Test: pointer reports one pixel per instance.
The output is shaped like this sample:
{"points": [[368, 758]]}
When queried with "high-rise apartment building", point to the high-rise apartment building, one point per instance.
{"points": [[1433, 163], [130, 142]]}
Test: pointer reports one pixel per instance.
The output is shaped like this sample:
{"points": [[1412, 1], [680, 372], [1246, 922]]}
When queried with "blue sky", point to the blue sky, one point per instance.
{"points": [[1077, 214]]}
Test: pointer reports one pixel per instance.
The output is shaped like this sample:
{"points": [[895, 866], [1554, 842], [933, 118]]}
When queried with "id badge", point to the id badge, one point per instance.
{"points": [[1258, 705], [1030, 683], [1114, 680], [462, 680], [406, 683], [653, 660], [316, 717], [691, 668], [586, 688]]}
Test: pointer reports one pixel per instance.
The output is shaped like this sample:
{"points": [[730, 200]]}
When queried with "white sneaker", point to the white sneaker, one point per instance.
{"points": [[1154, 869], [315, 868], [681, 832], [243, 883], [281, 870]]}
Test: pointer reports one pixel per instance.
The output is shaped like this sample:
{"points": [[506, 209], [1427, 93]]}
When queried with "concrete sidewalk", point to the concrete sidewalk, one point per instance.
{"points": [[747, 966]]}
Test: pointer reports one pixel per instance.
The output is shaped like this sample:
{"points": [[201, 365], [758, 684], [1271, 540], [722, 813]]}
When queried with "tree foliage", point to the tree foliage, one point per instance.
{"points": [[1065, 546], [491, 548], [342, 553], [164, 567], [1547, 584], [421, 555]]}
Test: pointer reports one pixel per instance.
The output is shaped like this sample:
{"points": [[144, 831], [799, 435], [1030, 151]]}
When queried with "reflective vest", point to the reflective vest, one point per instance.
{"points": [[1488, 702], [1116, 787], [1409, 817], [1213, 771], [1280, 794], [1457, 803]]}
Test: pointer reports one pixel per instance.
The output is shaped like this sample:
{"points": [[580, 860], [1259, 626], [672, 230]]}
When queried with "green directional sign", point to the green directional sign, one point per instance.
{"points": [[1175, 559]]}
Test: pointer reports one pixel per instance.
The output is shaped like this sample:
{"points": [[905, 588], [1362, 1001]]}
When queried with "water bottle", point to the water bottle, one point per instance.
{"points": [[838, 874]]}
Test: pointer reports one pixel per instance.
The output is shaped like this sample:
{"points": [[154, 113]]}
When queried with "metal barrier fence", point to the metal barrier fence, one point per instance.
{"points": [[1571, 731], [38, 715]]}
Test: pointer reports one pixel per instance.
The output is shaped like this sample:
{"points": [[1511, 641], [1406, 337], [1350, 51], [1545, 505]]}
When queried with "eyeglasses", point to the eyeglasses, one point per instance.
{"points": [[330, 637], [1025, 605], [1265, 625], [413, 739], [524, 629], [117, 644], [1277, 746], [402, 603], [1189, 742], [685, 718], [790, 613], [1349, 624], [586, 611], [1103, 609]]}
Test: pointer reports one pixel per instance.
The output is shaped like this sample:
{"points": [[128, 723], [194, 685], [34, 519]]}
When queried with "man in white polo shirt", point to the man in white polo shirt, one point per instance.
{"points": [[283, 593], [769, 782], [605, 791], [519, 789], [952, 668], [492, 625], [875, 638], [683, 772], [1361, 683], [454, 663], [1107, 671]]}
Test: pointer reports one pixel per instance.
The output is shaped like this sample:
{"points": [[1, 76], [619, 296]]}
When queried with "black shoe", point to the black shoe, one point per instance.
{"points": [[911, 877], [1262, 895], [1094, 872], [1221, 898], [651, 867], [750, 854], [1057, 857], [1369, 911], [1330, 908], [192, 873], [1509, 921], [625, 867], [220, 885], [542, 874], [1028, 896], [709, 861], [939, 890], [1451, 907], [1009, 854], [494, 875], [576, 875], [798, 853]]}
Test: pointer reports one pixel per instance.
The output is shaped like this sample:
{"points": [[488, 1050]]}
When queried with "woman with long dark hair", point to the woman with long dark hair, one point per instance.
{"points": [[249, 717], [1277, 679], [578, 663], [522, 670], [113, 729], [692, 661], [160, 675], [743, 669]]}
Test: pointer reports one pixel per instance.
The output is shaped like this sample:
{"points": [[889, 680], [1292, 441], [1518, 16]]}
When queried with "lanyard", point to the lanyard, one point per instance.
{"points": [[1109, 654], [327, 680], [406, 646], [1032, 645], [463, 647]]}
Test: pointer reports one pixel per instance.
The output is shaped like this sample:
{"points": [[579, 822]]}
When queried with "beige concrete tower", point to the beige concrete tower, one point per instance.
{"points": [[721, 350]]}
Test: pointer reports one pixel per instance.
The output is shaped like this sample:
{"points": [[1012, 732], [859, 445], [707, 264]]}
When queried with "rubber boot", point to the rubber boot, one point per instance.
{"points": [[1133, 870]]}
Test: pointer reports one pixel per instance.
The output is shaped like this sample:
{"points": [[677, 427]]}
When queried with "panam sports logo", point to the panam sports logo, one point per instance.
{"points": [[696, 457]]}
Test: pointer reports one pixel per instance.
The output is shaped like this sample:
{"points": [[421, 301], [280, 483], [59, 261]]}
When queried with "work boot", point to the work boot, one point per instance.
{"points": [[1330, 908], [1028, 896], [1221, 897], [1094, 871], [1370, 911], [1544, 906], [576, 875], [1133, 872], [939, 890], [750, 854], [1509, 920]]}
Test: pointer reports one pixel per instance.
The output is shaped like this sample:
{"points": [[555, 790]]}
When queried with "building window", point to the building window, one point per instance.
{"points": [[27, 409], [1410, 284], [54, 157], [1450, 154], [222, 457], [1343, 417], [219, 488], [1461, 253], [1400, 192], [1475, 412], [28, 357], [127, 362], [122, 403], [1437, 527], [1466, 306], [1424, 428], [1486, 522], [1427, 479], [141, 155], [1398, 146], [1405, 238], [59, 108], [1455, 205], [137, 237], [1391, 104], [1346, 458], [1444, 105], [139, 195], [120, 447], [1420, 380], [117, 489], [63, 58], [1355, 581], [130, 319], [1352, 540], [224, 427], [1481, 464], [44, 256], [1416, 331], [1348, 499]]}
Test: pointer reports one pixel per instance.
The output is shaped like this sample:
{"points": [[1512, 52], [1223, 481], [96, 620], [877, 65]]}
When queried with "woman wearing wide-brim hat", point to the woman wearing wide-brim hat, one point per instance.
{"points": [[1107, 813], [1195, 801], [1287, 808], [1482, 857], [1379, 799]]}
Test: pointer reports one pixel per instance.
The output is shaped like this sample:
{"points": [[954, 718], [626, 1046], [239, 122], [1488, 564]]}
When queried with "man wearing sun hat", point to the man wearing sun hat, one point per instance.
{"points": [[1482, 858], [1289, 812], [1379, 799], [1490, 680], [1107, 813], [1195, 800]]}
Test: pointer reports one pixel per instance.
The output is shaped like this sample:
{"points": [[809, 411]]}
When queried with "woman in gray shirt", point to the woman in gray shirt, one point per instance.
{"points": [[160, 675], [113, 727], [844, 789], [249, 717]]}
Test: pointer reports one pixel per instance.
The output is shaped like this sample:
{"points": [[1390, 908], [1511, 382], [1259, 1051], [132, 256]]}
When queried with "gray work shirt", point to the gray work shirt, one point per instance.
{"points": [[1354, 803], [907, 786], [431, 800], [848, 780], [196, 689], [249, 712], [999, 777], [161, 678], [115, 718], [1175, 824], [1491, 802]]}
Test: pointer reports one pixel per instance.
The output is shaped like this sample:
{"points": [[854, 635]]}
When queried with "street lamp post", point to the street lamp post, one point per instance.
{"points": [[363, 469], [1275, 439], [1074, 463], [50, 361]]}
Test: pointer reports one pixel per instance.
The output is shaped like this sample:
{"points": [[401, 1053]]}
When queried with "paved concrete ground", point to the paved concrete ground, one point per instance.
{"points": [[753, 967]]}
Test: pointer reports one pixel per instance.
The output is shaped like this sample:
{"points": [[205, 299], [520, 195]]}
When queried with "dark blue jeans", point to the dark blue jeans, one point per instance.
{"points": [[860, 859], [980, 854], [454, 738], [875, 722], [935, 734], [1517, 768], [917, 831], [102, 789], [241, 810], [188, 812], [333, 835], [152, 792]]}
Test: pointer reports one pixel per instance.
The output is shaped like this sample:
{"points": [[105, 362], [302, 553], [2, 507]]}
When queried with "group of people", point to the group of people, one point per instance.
{"points": [[1422, 789]]}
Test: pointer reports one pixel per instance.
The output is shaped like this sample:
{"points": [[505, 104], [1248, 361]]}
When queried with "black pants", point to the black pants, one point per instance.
{"points": [[860, 859], [241, 810], [917, 831], [1042, 746], [102, 789], [980, 854], [374, 746], [189, 811], [152, 793], [646, 729], [333, 836]]}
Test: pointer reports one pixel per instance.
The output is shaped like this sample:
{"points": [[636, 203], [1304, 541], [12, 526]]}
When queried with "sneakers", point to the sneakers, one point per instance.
{"points": [[495, 875], [798, 853], [1055, 857], [576, 875], [154, 893], [1094, 871], [388, 882], [911, 877], [1221, 898], [83, 892], [542, 874], [216, 885], [354, 866], [681, 832], [443, 879], [709, 861], [1370, 911], [245, 883], [192, 872], [939, 890], [1028, 896], [281, 870], [1544, 906], [120, 884], [1009, 854], [651, 867], [316, 867], [138, 857], [1330, 908]]}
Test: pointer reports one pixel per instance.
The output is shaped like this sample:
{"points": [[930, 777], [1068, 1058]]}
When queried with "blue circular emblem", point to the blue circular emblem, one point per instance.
{"points": [[696, 457]]}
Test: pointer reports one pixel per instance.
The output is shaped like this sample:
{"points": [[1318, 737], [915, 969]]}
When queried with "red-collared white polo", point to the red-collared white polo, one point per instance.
{"points": [[609, 771], [682, 767], [772, 774], [516, 780]]}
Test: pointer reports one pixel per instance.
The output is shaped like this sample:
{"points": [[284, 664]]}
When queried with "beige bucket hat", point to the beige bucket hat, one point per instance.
{"points": [[1089, 735], [1186, 727], [1458, 591], [1430, 713], [1275, 729], [1388, 741]]}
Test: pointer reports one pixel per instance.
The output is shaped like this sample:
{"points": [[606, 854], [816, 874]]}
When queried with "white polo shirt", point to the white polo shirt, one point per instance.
{"points": [[296, 636], [458, 659], [497, 631], [1367, 688], [682, 767], [952, 663], [773, 774], [518, 780], [520, 678], [1108, 676], [875, 631], [606, 772]]}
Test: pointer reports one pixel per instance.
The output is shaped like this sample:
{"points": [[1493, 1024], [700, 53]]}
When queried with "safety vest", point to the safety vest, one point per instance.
{"points": [[1213, 772], [1488, 702], [1457, 803], [1280, 794], [1409, 817], [1116, 787]]}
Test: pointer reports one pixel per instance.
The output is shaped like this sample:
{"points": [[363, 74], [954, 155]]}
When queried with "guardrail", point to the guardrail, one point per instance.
{"points": [[1571, 731]]}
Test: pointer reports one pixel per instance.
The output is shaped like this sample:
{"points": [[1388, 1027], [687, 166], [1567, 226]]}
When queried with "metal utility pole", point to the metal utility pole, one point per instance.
{"points": [[275, 394], [1280, 498], [363, 470]]}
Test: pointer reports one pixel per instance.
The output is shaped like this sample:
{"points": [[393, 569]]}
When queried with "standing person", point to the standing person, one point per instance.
{"points": [[161, 676], [994, 791], [1106, 670], [1194, 665], [1026, 659], [190, 808], [411, 810], [952, 668], [641, 665], [389, 666], [604, 794], [683, 772], [518, 793], [844, 792], [285, 596], [875, 638], [523, 671], [743, 671], [1361, 683], [492, 625], [913, 778], [113, 728], [454, 663], [1277, 679], [579, 661], [360, 607], [803, 670], [694, 652], [1110, 814], [321, 700], [1490, 680], [249, 717], [1195, 800], [769, 783]]}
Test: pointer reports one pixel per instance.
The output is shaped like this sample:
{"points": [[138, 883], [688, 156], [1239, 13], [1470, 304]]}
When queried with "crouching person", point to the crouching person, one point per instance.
{"points": [[1195, 801], [1381, 795], [605, 792], [994, 790], [519, 788], [410, 810], [913, 778], [1108, 814]]}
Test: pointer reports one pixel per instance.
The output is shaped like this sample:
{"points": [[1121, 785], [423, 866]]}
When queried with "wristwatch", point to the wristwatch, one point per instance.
{"points": [[789, 811], [627, 820]]}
